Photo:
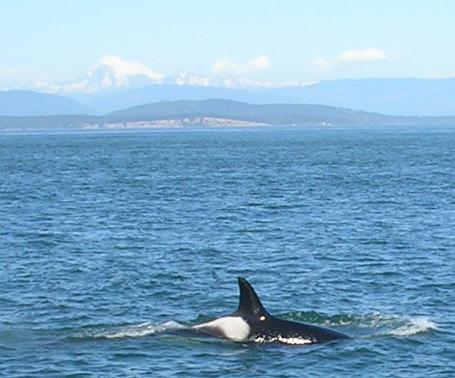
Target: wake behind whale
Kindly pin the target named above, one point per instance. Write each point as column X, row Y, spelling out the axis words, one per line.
column 251, row 323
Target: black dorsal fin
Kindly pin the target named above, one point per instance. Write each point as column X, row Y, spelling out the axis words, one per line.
column 249, row 301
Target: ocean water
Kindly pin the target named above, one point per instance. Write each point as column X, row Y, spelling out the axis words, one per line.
column 107, row 240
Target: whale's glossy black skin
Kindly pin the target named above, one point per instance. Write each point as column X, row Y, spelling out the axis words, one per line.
column 267, row 328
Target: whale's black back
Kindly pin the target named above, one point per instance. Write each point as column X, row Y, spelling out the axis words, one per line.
column 267, row 327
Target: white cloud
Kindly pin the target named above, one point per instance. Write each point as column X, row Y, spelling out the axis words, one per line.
column 227, row 67
column 122, row 69
column 44, row 85
column 18, row 78
column 440, row 75
column 372, row 54
column 366, row 55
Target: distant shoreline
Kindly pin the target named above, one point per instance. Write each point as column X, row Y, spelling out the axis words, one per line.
column 208, row 129
column 219, row 113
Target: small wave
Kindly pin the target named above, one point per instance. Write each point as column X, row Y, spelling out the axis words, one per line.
column 129, row 331
column 414, row 326
column 396, row 325
column 319, row 318
column 375, row 324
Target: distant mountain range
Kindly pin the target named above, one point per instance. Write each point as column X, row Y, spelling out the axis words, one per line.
column 413, row 97
column 217, row 112
column 406, row 97
column 28, row 103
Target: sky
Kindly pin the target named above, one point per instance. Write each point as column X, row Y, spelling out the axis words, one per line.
column 251, row 42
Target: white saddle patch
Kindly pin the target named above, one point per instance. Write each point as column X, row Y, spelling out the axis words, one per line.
column 232, row 327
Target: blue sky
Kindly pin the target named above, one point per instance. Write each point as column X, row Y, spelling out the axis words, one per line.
column 265, row 42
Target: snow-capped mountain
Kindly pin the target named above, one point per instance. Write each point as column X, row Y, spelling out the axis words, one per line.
column 109, row 73
column 185, row 78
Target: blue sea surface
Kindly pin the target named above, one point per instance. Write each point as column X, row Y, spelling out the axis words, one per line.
column 107, row 240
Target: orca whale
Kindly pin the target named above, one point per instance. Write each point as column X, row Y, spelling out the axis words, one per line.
column 252, row 323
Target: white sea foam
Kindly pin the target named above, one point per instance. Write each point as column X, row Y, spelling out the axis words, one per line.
column 395, row 325
column 414, row 326
column 380, row 324
column 133, row 330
